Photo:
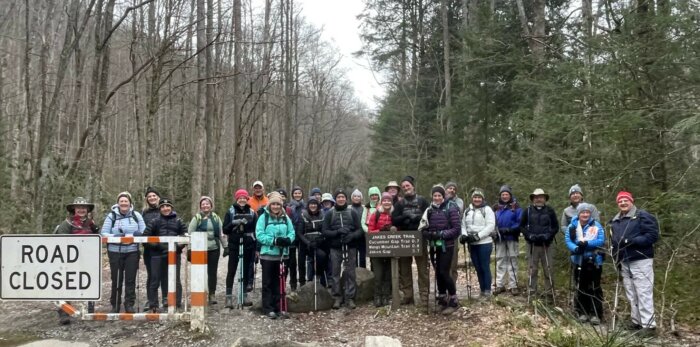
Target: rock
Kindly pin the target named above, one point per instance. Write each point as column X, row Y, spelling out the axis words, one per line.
column 246, row 342
column 303, row 299
column 55, row 343
column 365, row 285
column 381, row 341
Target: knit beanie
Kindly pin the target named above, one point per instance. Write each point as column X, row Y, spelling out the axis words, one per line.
column 241, row 193
column 450, row 184
column 165, row 201
column 624, row 194
column 584, row 206
column 438, row 189
column 315, row 190
column 312, row 201
column 127, row 195
column 211, row 202
column 274, row 197
column 505, row 188
column 387, row 196
column 575, row 189
column 297, row 188
column 409, row 179
column 355, row 193
column 477, row 192
column 338, row 192
column 282, row 192
column 150, row 190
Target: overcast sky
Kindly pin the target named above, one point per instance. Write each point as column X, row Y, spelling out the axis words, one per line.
column 340, row 25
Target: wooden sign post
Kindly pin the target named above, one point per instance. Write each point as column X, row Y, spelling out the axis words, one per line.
column 395, row 245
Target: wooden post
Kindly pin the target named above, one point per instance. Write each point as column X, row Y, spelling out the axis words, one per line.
column 395, row 297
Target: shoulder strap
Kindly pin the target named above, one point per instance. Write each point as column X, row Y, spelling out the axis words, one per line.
column 376, row 216
column 114, row 217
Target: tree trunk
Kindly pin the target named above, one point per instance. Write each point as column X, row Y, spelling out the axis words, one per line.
column 199, row 133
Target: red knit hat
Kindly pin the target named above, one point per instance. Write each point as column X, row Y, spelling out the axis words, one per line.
column 624, row 194
column 241, row 193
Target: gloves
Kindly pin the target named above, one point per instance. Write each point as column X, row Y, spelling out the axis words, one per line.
column 313, row 244
column 495, row 235
column 225, row 252
column 343, row 231
column 582, row 245
column 386, row 227
column 463, row 239
column 283, row 242
column 471, row 238
column 577, row 250
column 345, row 239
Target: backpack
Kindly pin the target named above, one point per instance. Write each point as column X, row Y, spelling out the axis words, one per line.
column 445, row 211
column 133, row 216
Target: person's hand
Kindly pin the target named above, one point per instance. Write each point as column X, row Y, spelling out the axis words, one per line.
column 582, row 244
column 463, row 239
column 577, row 250
column 386, row 227
column 225, row 252
column 283, row 242
column 313, row 244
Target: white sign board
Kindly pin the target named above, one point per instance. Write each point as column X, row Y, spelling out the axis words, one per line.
column 50, row 267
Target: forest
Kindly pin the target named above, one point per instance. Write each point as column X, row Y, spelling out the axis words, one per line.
column 200, row 97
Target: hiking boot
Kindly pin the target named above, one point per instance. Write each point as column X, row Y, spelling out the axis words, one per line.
column 452, row 306
column 336, row 304
column 631, row 326
column 485, row 296
column 248, row 288
column 583, row 318
column 294, row 287
column 229, row 301
column 595, row 320
column 377, row 301
column 351, row 304
column 515, row 291
column 272, row 315
column 407, row 301
column 63, row 318
column 129, row 309
column 212, row 299
column 115, row 309
column 247, row 301
column 499, row 290
column 283, row 315
column 154, row 309
column 386, row 301
column 441, row 300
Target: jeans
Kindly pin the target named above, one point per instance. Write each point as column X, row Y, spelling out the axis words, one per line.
column 481, row 258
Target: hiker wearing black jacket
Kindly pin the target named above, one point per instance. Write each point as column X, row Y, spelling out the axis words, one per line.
column 539, row 225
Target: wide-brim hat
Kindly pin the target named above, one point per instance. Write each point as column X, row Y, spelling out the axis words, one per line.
column 539, row 191
column 392, row 184
column 80, row 201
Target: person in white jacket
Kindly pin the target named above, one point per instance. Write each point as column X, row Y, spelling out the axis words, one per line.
column 477, row 224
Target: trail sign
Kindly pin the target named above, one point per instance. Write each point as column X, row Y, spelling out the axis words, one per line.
column 402, row 243
column 50, row 267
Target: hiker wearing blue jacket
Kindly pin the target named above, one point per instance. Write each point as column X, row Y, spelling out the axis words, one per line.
column 121, row 221
column 275, row 233
column 585, row 238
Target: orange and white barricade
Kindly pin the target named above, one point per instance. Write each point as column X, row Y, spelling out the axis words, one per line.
column 198, row 283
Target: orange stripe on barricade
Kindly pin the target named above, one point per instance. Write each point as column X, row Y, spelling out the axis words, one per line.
column 171, row 258
column 99, row 316
column 153, row 239
column 152, row 317
column 126, row 316
column 199, row 257
column 198, row 299
column 127, row 240
column 68, row 308
column 171, row 298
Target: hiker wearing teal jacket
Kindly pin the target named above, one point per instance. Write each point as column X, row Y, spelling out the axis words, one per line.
column 275, row 233
column 206, row 220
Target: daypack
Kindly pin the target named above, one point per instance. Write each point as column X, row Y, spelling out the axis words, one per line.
column 133, row 216
column 445, row 211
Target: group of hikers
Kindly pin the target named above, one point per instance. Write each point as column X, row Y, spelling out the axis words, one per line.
column 323, row 236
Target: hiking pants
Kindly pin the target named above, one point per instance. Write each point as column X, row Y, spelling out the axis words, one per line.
column 638, row 279
column 123, row 268
column 481, row 258
column 506, row 263
column 348, row 265
column 270, row 285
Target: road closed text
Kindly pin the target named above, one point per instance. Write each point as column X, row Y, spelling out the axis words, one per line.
column 51, row 267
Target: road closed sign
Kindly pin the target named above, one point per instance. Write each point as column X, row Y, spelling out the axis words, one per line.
column 50, row 267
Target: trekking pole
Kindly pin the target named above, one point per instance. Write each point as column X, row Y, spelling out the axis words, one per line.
column 529, row 281
column 431, row 257
column 315, row 279
column 617, row 281
column 549, row 272
column 283, row 287
column 466, row 271
column 241, row 281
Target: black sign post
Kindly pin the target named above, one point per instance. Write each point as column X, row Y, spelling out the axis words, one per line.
column 396, row 244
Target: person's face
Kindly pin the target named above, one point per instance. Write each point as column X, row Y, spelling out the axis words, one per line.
column 505, row 197
column 407, row 188
column 477, row 200
column 386, row 204
column 317, row 196
column 205, row 206
column 539, row 200
column 165, row 210
column 313, row 207
column 258, row 190
column 438, row 198
column 152, row 199
column 625, row 205
column 374, row 197
column 356, row 199
column 584, row 216
column 576, row 197
column 297, row 194
column 81, row 211
column 340, row 200
column 393, row 191
column 275, row 207
column 451, row 191
column 327, row 204
column 242, row 201
column 124, row 203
